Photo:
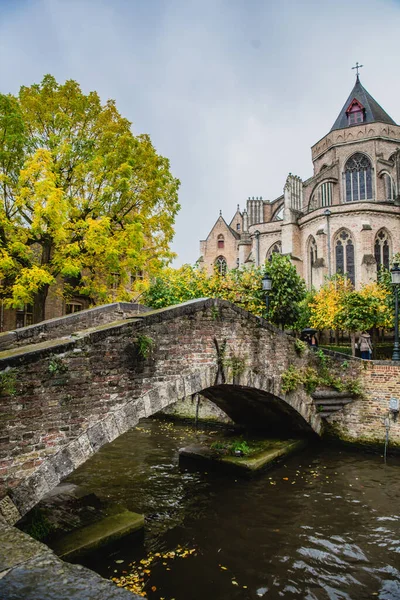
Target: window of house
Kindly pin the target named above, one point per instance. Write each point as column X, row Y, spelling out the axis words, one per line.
column 237, row 263
column 358, row 178
column 221, row 265
column 382, row 250
column 73, row 307
column 138, row 275
column 24, row 316
column 344, row 256
column 115, row 281
column 237, row 226
column 220, row 241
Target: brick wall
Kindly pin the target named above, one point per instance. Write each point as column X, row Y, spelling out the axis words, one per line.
column 362, row 421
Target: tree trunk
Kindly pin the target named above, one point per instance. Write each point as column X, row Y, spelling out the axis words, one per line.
column 39, row 304
column 353, row 343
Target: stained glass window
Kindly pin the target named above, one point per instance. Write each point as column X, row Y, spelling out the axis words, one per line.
column 220, row 265
column 344, row 256
column 274, row 249
column 358, row 178
column 382, row 250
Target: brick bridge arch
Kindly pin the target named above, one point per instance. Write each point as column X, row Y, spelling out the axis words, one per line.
column 74, row 395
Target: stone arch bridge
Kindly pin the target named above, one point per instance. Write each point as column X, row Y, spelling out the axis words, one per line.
column 63, row 399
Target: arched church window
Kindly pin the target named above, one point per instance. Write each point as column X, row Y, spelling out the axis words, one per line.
column 389, row 186
column 358, row 178
column 278, row 216
column 382, row 250
column 322, row 196
column 220, row 265
column 344, row 255
column 220, row 241
column 276, row 248
column 312, row 258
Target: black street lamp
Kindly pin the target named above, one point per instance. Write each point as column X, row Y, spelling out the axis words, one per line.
column 266, row 286
column 395, row 273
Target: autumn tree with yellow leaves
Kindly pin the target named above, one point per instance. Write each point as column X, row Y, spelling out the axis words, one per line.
column 338, row 306
column 82, row 200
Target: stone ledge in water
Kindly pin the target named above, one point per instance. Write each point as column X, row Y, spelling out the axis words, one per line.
column 46, row 577
column 96, row 535
column 253, row 463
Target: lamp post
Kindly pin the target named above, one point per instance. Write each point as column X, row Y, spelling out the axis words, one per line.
column 395, row 273
column 266, row 286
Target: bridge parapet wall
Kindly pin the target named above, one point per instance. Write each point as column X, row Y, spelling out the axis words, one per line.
column 69, row 324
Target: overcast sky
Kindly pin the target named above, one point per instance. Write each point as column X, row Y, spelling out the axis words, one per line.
column 233, row 92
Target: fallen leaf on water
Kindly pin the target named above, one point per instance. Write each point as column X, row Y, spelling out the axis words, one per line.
column 223, row 568
column 234, row 582
column 153, row 588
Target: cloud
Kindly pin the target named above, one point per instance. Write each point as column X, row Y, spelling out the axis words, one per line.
column 234, row 92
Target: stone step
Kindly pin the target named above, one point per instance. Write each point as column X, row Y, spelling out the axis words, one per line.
column 323, row 414
column 319, row 394
column 327, row 401
column 331, row 408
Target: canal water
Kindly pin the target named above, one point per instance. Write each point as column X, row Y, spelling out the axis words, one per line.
column 324, row 525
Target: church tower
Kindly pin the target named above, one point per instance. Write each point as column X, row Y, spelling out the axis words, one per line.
column 343, row 219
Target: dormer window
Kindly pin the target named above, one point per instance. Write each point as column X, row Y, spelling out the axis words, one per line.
column 355, row 112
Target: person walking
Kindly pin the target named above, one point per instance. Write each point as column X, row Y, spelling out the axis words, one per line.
column 365, row 345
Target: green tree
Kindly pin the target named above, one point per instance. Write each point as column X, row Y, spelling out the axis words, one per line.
column 287, row 292
column 82, row 200
column 241, row 286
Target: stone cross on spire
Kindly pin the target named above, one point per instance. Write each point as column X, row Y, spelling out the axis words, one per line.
column 357, row 67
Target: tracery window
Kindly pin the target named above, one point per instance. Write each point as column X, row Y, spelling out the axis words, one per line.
column 221, row 265
column 382, row 250
column 344, row 255
column 389, row 187
column 312, row 258
column 358, row 178
column 322, row 196
column 276, row 248
column 220, row 241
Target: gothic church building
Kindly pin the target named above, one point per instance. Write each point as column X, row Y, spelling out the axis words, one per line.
column 343, row 219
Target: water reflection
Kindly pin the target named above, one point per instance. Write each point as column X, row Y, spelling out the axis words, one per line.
column 323, row 526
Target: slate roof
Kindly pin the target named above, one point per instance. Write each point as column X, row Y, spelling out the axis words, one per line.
column 373, row 111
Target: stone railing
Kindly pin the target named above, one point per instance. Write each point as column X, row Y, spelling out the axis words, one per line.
column 63, row 326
